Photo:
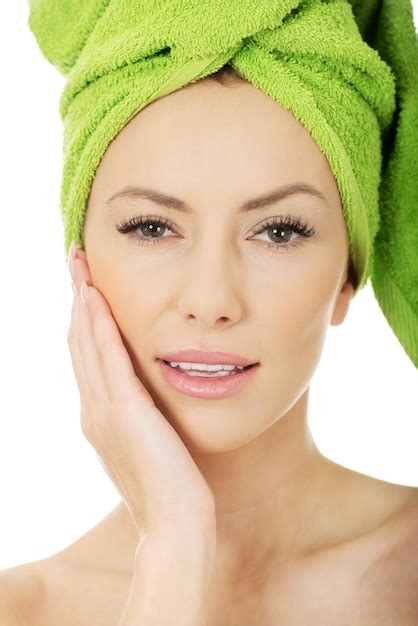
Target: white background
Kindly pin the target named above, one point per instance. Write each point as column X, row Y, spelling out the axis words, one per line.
column 363, row 405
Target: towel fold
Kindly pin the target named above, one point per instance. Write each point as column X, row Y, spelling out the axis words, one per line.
column 347, row 70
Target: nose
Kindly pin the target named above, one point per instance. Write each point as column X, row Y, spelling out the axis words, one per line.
column 211, row 292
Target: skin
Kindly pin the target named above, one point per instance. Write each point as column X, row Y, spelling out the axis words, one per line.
column 280, row 505
column 213, row 284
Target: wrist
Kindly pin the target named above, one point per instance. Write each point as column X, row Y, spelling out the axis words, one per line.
column 190, row 541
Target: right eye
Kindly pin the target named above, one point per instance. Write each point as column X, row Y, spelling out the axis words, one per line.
column 154, row 227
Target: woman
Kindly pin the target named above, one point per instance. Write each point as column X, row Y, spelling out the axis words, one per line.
column 228, row 512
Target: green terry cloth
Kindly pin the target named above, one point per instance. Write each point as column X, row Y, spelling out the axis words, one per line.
column 347, row 70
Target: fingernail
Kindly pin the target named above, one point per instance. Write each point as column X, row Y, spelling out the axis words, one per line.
column 70, row 259
column 84, row 290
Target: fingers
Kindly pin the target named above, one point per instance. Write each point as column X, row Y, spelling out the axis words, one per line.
column 123, row 386
column 91, row 362
column 105, row 347
column 76, row 356
column 103, row 368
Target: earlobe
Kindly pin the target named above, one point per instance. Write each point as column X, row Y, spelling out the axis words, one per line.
column 342, row 304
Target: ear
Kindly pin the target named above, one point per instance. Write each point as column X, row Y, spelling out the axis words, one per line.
column 342, row 304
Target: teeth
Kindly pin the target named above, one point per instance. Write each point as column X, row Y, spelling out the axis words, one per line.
column 220, row 374
column 205, row 366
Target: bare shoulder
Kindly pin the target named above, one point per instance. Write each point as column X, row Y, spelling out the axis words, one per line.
column 55, row 591
column 401, row 557
column 397, row 538
column 394, row 575
column 20, row 590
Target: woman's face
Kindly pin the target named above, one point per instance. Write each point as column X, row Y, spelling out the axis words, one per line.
column 207, row 279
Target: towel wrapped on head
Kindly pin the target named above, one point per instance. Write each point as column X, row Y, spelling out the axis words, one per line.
column 347, row 70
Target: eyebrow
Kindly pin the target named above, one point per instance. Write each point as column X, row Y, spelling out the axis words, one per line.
column 171, row 202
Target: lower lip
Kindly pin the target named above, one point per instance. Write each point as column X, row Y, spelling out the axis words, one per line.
column 206, row 387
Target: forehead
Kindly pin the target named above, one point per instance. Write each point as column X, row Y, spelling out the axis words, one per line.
column 233, row 137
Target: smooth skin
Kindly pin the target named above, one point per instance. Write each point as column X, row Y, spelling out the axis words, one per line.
column 159, row 482
column 140, row 450
column 289, row 522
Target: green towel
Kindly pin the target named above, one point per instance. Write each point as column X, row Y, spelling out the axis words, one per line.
column 348, row 71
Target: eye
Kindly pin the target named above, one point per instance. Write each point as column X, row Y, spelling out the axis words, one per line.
column 281, row 230
column 148, row 226
column 150, row 229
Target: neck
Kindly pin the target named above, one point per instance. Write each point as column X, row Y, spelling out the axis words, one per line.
column 277, row 499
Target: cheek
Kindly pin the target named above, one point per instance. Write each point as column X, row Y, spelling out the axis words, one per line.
column 286, row 306
column 127, row 291
column 294, row 326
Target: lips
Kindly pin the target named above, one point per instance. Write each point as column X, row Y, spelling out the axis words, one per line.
column 194, row 355
column 207, row 387
column 208, row 372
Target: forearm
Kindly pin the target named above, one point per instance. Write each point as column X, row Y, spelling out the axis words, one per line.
column 171, row 579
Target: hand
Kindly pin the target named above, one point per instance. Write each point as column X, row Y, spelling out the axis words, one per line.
column 138, row 448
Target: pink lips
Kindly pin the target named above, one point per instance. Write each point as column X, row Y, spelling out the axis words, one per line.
column 206, row 387
column 211, row 358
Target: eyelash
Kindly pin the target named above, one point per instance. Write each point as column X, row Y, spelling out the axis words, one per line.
column 287, row 222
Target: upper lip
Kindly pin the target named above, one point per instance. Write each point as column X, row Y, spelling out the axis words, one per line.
column 194, row 355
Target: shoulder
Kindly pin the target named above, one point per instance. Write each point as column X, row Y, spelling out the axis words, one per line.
column 394, row 575
column 20, row 590
column 401, row 557
column 402, row 532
